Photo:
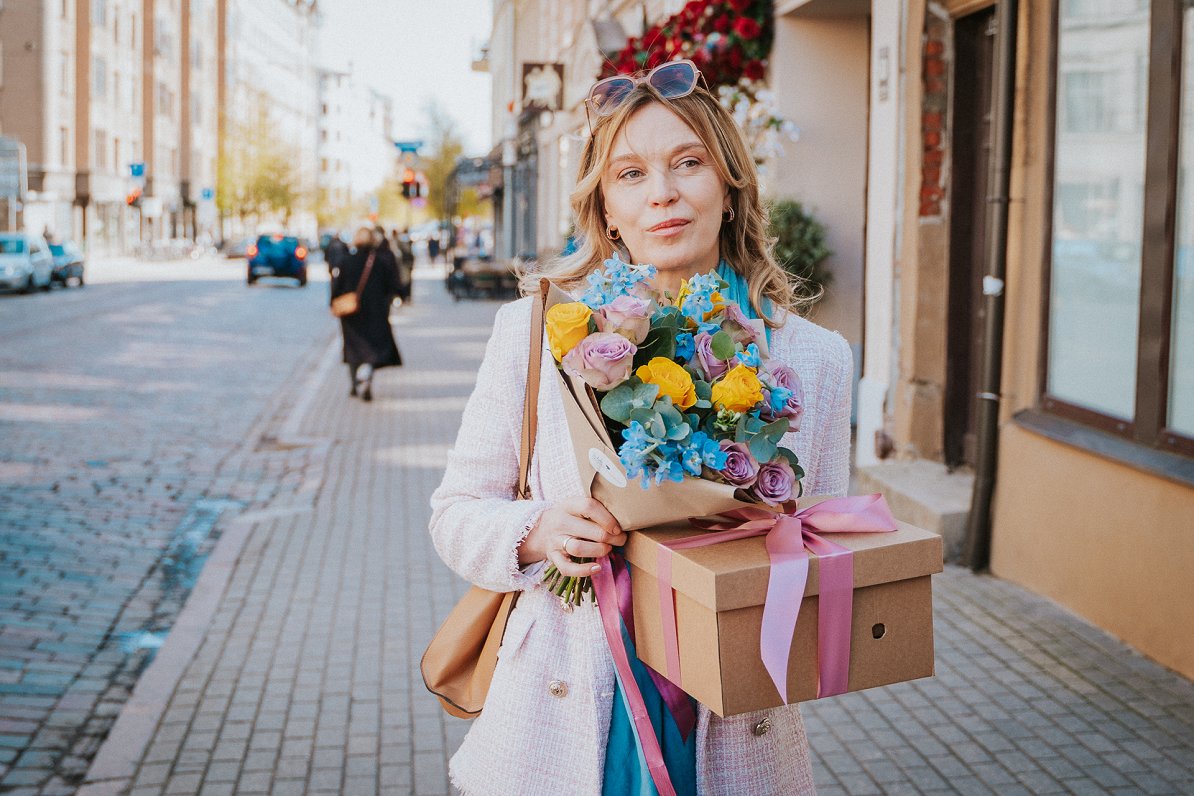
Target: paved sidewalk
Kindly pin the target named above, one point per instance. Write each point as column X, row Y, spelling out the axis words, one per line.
column 294, row 667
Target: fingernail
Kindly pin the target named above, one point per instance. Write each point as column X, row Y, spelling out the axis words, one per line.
column 595, row 568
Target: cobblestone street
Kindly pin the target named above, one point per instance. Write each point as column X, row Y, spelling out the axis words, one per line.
column 294, row 666
column 137, row 415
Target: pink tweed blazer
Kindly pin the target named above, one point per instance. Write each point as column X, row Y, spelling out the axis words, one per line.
column 544, row 726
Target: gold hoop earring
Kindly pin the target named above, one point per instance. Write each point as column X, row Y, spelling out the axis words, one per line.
column 612, row 233
column 725, row 219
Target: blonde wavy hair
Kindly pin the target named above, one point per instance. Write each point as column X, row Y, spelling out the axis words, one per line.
column 744, row 242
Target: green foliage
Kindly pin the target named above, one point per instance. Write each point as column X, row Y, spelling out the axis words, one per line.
column 443, row 141
column 800, row 246
column 722, row 346
column 257, row 174
column 630, row 396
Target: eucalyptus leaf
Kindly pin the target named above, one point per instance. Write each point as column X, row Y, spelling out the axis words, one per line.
column 618, row 403
column 775, row 430
column 722, row 346
column 704, row 390
column 762, row 448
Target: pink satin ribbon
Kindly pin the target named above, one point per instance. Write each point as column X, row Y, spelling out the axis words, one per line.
column 607, row 603
column 790, row 538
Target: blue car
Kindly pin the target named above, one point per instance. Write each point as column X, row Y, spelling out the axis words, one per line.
column 278, row 255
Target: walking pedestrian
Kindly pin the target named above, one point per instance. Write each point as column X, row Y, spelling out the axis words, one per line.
column 335, row 250
column 433, row 247
column 665, row 178
column 368, row 339
column 406, row 264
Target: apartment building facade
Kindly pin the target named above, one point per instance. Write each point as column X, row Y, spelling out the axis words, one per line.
column 355, row 145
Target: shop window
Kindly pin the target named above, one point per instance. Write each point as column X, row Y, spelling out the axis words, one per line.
column 1119, row 336
column 1180, row 409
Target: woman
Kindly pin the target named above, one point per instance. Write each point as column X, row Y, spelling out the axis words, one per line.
column 368, row 340
column 666, row 179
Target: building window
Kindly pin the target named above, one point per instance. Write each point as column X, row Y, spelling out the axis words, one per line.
column 101, row 150
column 64, row 65
column 1180, row 410
column 116, row 155
column 99, row 13
column 99, row 77
column 1114, row 357
column 64, row 146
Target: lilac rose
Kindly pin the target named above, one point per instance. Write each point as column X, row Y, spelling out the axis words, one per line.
column 711, row 367
column 738, row 326
column 776, row 482
column 741, row 469
column 786, row 401
column 603, row 359
column 626, row 315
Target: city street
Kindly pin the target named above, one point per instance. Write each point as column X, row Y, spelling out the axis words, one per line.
column 136, row 412
column 293, row 666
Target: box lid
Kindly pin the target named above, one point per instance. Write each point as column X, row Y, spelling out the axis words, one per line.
column 731, row 575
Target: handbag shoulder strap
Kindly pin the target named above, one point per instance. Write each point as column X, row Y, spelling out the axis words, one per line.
column 530, row 414
column 365, row 273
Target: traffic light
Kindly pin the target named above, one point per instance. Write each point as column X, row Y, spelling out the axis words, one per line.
column 410, row 188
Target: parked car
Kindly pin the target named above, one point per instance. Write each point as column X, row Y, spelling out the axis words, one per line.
column 278, row 255
column 25, row 262
column 237, row 248
column 68, row 262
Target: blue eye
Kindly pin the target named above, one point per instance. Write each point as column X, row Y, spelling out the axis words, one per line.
column 629, row 174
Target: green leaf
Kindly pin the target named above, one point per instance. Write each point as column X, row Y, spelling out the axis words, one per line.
column 644, row 395
column 722, row 346
column 775, row 430
column 618, row 403
column 762, row 448
column 704, row 390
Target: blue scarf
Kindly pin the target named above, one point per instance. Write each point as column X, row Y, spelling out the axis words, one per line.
column 739, row 293
column 626, row 771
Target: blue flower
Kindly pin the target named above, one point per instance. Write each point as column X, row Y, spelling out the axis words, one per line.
column 750, row 357
column 617, row 278
column 779, row 398
column 685, row 346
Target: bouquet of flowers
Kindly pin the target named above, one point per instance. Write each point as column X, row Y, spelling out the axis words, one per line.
column 681, row 389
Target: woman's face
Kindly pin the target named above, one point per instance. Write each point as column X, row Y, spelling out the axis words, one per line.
column 663, row 194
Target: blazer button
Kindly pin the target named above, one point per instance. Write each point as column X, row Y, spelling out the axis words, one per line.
column 558, row 688
column 762, row 727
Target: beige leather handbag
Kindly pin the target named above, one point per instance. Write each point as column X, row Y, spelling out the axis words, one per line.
column 350, row 303
column 460, row 660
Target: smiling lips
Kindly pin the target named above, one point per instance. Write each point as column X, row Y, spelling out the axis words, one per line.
column 672, row 226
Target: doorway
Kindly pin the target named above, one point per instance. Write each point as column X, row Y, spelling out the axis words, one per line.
column 974, row 56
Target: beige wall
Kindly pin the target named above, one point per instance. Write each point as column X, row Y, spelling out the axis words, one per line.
column 819, row 69
column 1106, row 540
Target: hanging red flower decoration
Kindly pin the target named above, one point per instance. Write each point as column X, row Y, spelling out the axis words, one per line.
column 727, row 39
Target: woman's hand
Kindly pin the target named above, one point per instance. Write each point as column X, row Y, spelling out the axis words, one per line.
column 573, row 528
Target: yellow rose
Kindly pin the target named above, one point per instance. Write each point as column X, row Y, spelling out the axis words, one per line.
column 567, row 325
column 673, row 381
column 739, row 390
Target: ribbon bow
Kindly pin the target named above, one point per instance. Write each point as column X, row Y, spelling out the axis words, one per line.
column 790, row 538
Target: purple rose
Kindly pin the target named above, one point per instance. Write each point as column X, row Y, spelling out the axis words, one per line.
column 793, row 405
column 603, row 360
column 626, row 315
column 741, row 469
column 775, row 483
column 738, row 326
column 711, row 367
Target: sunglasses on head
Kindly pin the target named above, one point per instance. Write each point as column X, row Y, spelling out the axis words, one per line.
column 672, row 80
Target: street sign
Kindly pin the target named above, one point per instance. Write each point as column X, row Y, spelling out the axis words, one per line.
column 136, row 169
column 408, row 146
column 419, row 202
column 207, row 194
column 13, row 173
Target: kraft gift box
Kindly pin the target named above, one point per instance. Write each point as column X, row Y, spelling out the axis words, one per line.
column 719, row 596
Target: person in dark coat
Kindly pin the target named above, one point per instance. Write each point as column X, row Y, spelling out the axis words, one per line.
column 368, row 339
column 335, row 251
